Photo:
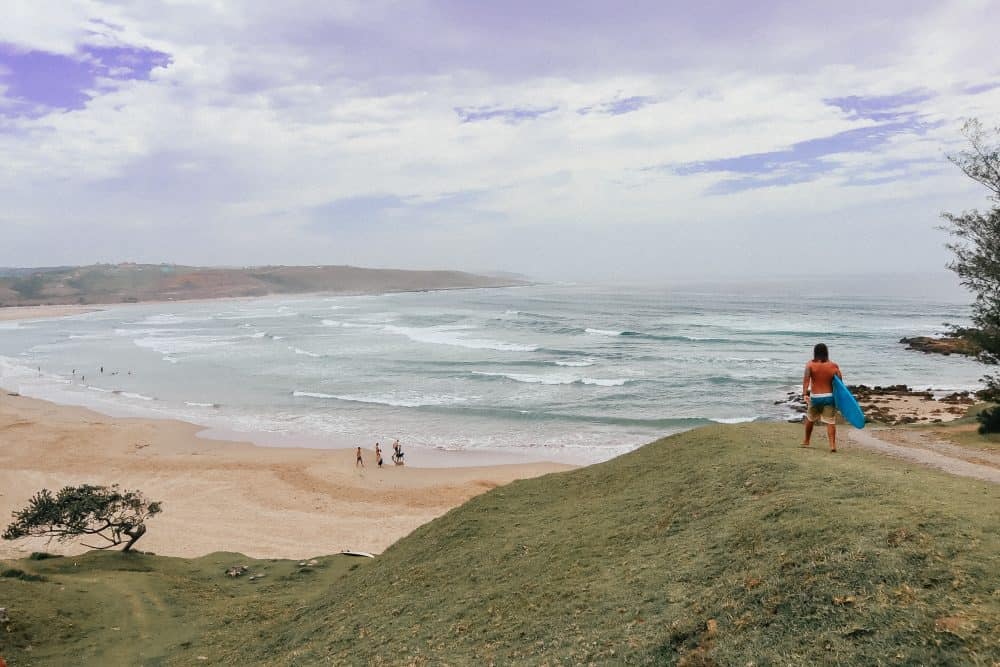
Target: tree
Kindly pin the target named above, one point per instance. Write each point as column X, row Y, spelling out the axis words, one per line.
column 107, row 512
column 977, row 244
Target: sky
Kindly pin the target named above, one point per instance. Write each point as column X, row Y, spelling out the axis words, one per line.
column 564, row 140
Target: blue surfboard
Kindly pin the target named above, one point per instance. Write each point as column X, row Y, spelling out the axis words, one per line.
column 845, row 402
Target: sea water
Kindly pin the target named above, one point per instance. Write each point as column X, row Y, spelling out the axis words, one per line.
column 575, row 373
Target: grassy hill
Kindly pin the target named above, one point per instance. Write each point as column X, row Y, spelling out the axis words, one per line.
column 724, row 545
column 116, row 283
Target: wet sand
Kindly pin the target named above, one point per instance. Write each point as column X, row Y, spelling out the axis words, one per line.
column 266, row 502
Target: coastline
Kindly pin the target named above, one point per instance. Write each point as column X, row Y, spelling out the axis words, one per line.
column 15, row 313
column 219, row 495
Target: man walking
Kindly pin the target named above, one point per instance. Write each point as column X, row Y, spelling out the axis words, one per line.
column 817, row 390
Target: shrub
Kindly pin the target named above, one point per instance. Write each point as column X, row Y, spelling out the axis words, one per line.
column 989, row 421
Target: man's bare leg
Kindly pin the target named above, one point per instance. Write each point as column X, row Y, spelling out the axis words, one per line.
column 809, row 432
column 831, row 434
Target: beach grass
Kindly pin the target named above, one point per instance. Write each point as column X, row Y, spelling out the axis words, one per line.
column 964, row 432
column 723, row 545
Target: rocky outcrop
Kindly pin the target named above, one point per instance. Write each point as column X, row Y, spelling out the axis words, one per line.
column 945, row 345
column 897, row 404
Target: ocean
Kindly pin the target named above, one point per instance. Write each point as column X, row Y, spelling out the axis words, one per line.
column 567, row 372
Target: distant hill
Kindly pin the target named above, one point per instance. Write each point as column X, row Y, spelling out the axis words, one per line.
column 117, row 283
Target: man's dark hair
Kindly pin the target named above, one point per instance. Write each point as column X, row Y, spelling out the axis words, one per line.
column 820, row 353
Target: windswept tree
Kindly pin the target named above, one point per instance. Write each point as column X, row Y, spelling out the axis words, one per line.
column 109, row 513
column 976, row 244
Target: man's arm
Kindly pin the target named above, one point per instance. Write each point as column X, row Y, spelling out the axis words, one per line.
column 839, row 374
column 806, row 377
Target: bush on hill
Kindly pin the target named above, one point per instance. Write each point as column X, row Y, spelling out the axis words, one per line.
column 989, row 421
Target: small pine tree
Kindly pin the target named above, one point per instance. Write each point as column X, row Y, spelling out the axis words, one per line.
column 114, row 515
column 977, row 245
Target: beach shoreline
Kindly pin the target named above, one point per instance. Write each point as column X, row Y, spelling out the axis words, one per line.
column 218, row 495
column 16, row 313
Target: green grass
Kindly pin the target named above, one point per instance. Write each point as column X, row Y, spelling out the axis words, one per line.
column 724, row 545
column 964, row 432
column 112, row 608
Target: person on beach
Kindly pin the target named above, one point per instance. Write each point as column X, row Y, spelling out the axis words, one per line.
column 817, row 391
column 378, row 455
column 397, row 453
column 359, row 461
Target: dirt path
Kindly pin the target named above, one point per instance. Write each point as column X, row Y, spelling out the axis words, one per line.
column 922, row 448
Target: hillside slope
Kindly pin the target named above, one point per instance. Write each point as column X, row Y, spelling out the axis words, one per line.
column 106, row 283
column 724, row 545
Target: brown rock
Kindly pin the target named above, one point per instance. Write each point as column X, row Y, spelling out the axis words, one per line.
column 945, row 345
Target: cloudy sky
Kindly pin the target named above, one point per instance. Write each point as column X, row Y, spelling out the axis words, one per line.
column 566, row 140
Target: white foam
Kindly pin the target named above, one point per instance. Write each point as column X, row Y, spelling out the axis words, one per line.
column 259, row 334
column 304, row 352
column 103, row 391
column 734, row 420
column 617, row 382
column 195, row 404
column 603, row 332
column 393, row 400
column 141, row 397
column 258, row 315
column 574, row 364
column 311, row 394
column 170, row 345
column 331, row 323
column 170, row 318
column 447, row 335
column 555, row 379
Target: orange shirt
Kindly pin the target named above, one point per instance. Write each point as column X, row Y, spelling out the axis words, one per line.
column 821, row 374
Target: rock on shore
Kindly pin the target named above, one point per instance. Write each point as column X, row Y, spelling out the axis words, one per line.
column 945, row 345
column 898, row 404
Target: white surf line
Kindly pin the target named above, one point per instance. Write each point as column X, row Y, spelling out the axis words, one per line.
column 948, row 464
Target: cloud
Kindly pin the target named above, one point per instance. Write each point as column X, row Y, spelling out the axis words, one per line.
column 510, row 115
column 805, row 160
column 542, row 137
column 38, row 82
column 619, row 106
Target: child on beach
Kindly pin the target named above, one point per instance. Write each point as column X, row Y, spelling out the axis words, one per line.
column 378, row 455
column 817, row 390
column 360, row 461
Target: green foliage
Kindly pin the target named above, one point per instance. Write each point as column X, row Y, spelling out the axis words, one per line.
column 106, row 512
column 31, row 287
column 989, row 421
column 42, row 555
column 977, row 243
column 14, row 573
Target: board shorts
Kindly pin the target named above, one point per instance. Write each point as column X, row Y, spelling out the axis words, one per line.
column 821, row 408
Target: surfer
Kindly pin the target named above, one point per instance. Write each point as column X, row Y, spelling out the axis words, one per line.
column 359, row 461
column 817, row 390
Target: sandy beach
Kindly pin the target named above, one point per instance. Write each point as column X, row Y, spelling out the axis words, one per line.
column 41, row 312
column 226, row 496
